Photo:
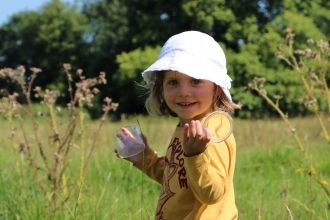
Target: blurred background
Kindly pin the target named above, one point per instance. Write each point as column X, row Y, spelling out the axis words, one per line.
column 123, row 37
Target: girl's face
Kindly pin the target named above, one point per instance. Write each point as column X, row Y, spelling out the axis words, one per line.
column 189, row 98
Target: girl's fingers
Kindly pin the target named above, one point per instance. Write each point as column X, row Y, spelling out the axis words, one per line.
column 116, row 152
column 192, row 129
column 207, row 134
column 186, row 131
column 199, row 130
column 195, row 130
column 126, row 132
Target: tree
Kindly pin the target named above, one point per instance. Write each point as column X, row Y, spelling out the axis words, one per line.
column 45, row 39
column 117, row 37
column 257, row 58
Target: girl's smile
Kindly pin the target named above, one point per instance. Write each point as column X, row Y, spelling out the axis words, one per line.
column 189, row 98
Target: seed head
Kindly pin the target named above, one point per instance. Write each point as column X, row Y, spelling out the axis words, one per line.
column 278, row 97
column 279, row 55
column 79, row 72
column 299, row 52
column 22, row 147
column 67, row 66
column 288, row 30
column 35, row 70
column 95, row 90
column 310, row 41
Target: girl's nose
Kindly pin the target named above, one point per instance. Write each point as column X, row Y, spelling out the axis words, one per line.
column 184, row 91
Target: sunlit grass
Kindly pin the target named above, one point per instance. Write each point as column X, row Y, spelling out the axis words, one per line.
column 265, row 176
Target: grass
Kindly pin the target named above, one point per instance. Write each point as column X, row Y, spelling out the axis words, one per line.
column 266, row 175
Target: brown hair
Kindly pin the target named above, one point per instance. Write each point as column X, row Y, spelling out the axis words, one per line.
column 156, row 105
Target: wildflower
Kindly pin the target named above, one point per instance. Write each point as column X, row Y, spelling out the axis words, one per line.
column 299, row 170
column 312, row 171
column 324, row 182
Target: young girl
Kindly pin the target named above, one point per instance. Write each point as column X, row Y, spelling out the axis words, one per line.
column 189, row 80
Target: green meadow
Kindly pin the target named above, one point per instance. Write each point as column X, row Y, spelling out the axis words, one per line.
column 272, row 180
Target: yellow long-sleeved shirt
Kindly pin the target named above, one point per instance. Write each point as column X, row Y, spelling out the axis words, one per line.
column 198, row 187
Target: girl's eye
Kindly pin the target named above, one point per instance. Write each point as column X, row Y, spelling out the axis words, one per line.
column 196, row 81
column 172, row 82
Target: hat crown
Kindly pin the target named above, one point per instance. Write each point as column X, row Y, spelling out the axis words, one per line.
column 196, row 44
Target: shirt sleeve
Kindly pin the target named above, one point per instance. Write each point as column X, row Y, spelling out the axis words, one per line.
column 208, row 172
column 152, row 165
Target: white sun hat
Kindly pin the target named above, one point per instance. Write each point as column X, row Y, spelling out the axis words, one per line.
column 195, row 54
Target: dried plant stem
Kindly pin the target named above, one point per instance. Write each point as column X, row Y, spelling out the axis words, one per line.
column 54, row 160
column 311, row 211
column 295, row 135
column 95, row 139
column 309, row 91
column 323, row 63
column 283, row 116
column 82, row 147
column 17, row 152
column 35, row 125
column 289, row 212
column 31, row 159
column 82, row 141
column 66, row 70
column 77, row 200
column 39, row 144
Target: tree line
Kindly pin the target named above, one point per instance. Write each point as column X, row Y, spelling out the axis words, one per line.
column 123, row 37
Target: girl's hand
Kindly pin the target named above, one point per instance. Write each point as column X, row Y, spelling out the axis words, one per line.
column 136, row 158
column 194, row 139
